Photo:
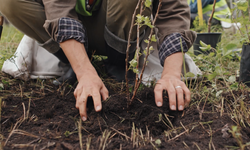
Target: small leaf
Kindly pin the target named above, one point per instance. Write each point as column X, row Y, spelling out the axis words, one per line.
column 242, row 5
column 211, row 76
column 203, row 44
column 133, row 63
column 158, row 142
column 190, row 74
column 148, row 3
column 146, row 41
column 231, row 46
column 151, row 48
column 218, row 93
column 153, row 39
column 232, row 79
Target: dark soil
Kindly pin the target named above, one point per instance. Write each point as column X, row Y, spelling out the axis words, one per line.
column 52, row 121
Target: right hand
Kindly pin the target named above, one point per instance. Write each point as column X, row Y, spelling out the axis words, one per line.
column 89, row 84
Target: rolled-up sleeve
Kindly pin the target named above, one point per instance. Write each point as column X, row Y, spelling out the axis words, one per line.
column 174, row 17
column 62, row 21
column 173, row 23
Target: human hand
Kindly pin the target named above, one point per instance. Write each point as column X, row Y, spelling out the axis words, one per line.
column 89, row 84
column 178, row 92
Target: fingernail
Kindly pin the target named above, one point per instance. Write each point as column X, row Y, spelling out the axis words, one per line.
column 180, row 107
column 98, row 108
column 159, row 104
column 84, row 118
column 173, row 107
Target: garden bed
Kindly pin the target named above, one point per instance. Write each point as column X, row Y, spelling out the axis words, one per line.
column 38, row 115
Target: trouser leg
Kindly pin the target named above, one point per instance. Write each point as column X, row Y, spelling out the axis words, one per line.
column 118, row 22
column 108, row 31
column 28, row 16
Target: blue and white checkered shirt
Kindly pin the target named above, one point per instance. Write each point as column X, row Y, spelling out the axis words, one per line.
column 171, row 45
column 72, row 29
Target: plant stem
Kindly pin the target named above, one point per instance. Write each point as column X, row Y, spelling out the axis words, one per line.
column 137, row 49
column 249, row 9
column 211, row 17
column 238, row 27
column 246, row 26
column 127, row 51
column 148, row 52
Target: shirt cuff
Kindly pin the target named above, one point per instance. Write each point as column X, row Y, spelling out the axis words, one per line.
column 70, row 29
column 171, row 45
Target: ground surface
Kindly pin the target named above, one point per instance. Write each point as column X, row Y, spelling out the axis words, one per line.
column 38, row 115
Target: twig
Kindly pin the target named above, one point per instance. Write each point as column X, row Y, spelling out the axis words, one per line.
column 211, row 17
column 80, row 133
column 24, row 112
column 127, row 137
column 88, row 143
column 178, row 135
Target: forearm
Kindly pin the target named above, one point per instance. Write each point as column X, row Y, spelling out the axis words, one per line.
column 78, row 58
column 173, row 65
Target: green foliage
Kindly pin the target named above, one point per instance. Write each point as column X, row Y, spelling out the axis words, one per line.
column 242, row 5
column 148, row 3
column 158, row 143
column 238, row 137
column 241, row 9
column 9, row 41
column 142, row 21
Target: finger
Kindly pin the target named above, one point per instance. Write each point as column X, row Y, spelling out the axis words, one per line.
column 172, row 97
column 180, row 100
column 158, row 94
column 97, row 100
column 105, row 93
column 82, row 104
column 187, row 95
column 76, row 94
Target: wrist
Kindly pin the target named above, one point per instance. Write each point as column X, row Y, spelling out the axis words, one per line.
column 173, row 66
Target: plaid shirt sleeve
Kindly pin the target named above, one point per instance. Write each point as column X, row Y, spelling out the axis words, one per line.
column 171, row 45
column 71, row 29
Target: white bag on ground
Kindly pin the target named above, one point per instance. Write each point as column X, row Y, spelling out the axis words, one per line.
column 31, row 61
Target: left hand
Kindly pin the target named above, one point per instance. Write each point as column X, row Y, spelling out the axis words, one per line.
column 178, row 92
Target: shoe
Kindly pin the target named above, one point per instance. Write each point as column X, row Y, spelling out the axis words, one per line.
column 69, row 77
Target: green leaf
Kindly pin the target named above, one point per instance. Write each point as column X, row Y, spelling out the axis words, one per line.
column 232, row 79
column 146, row 41
column 136, row 71
column 210, row 77
column 208, row 47
column 153, row 39
column 133, row 63
column 190, row 74
column 158, row 142
column 148, row 3
column 231, row 46
column 218, row 93
column 203, row 44
column 242, row 5
column 140, row 18
column 151, row 48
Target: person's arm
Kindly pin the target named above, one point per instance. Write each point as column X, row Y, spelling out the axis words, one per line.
column 90, row 84
column 63, row 26
column 173, row 23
